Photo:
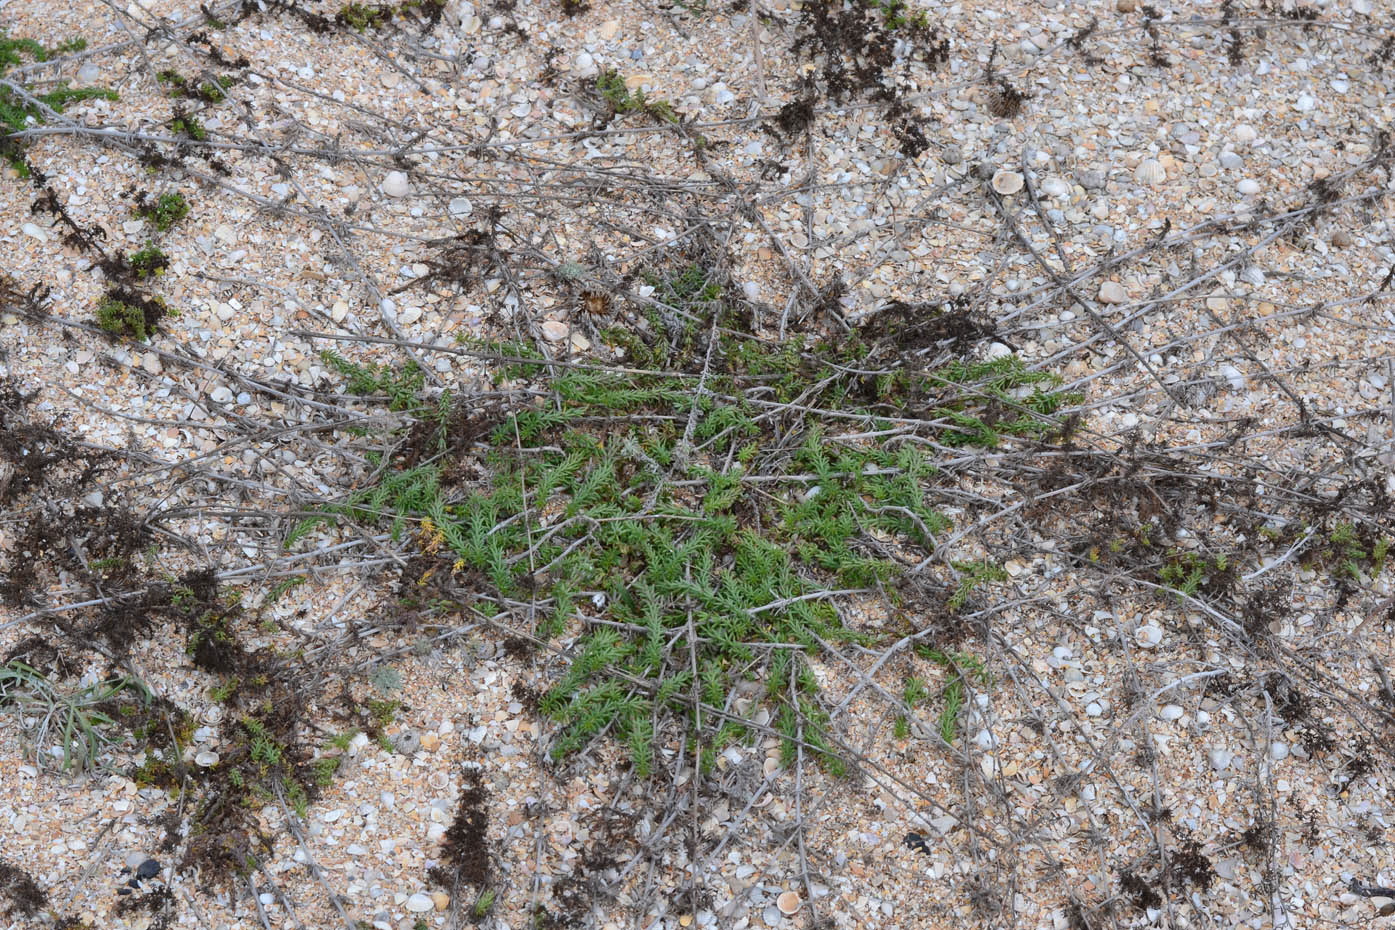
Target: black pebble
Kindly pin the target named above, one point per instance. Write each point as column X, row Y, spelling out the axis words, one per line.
column 916, row 841
column 123, row 891
column 134, row 883
column 148, row 869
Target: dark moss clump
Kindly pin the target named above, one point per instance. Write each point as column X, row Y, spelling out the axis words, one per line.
column 124, row 313
column 26, row 898
column 466, row 850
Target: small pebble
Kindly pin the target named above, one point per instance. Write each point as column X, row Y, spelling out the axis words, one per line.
column 1171, row 712
column 1112, row 292
column 1220, row 759
column 1248, row 186
column 440, row 900
column 1091, row 179
column 554, row 330
column 420, row 903
column 1341, row 239
column 396, row 185
column 148, row 869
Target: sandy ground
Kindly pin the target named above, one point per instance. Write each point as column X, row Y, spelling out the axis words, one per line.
column 1221, row 231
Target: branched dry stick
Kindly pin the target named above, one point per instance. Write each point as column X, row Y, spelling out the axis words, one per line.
column 293, row 823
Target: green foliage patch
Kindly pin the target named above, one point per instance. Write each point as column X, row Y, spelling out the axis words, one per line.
column 130, row 316
column 21, row 107
column 687, row 528
column 622, row 100
column 77, row 721
column 164, row 211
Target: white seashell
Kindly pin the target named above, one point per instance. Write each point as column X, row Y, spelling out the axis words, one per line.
column 207, row 759
column 461, row 206
column 1248, row 186
column 1170, row 712
column 1245, row 134
column 998, row 350
column 1007, row 182
column 1149, row 635
column 1055, row 187
column 1234, row 376
column 1150, row 172
column 584, row 65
